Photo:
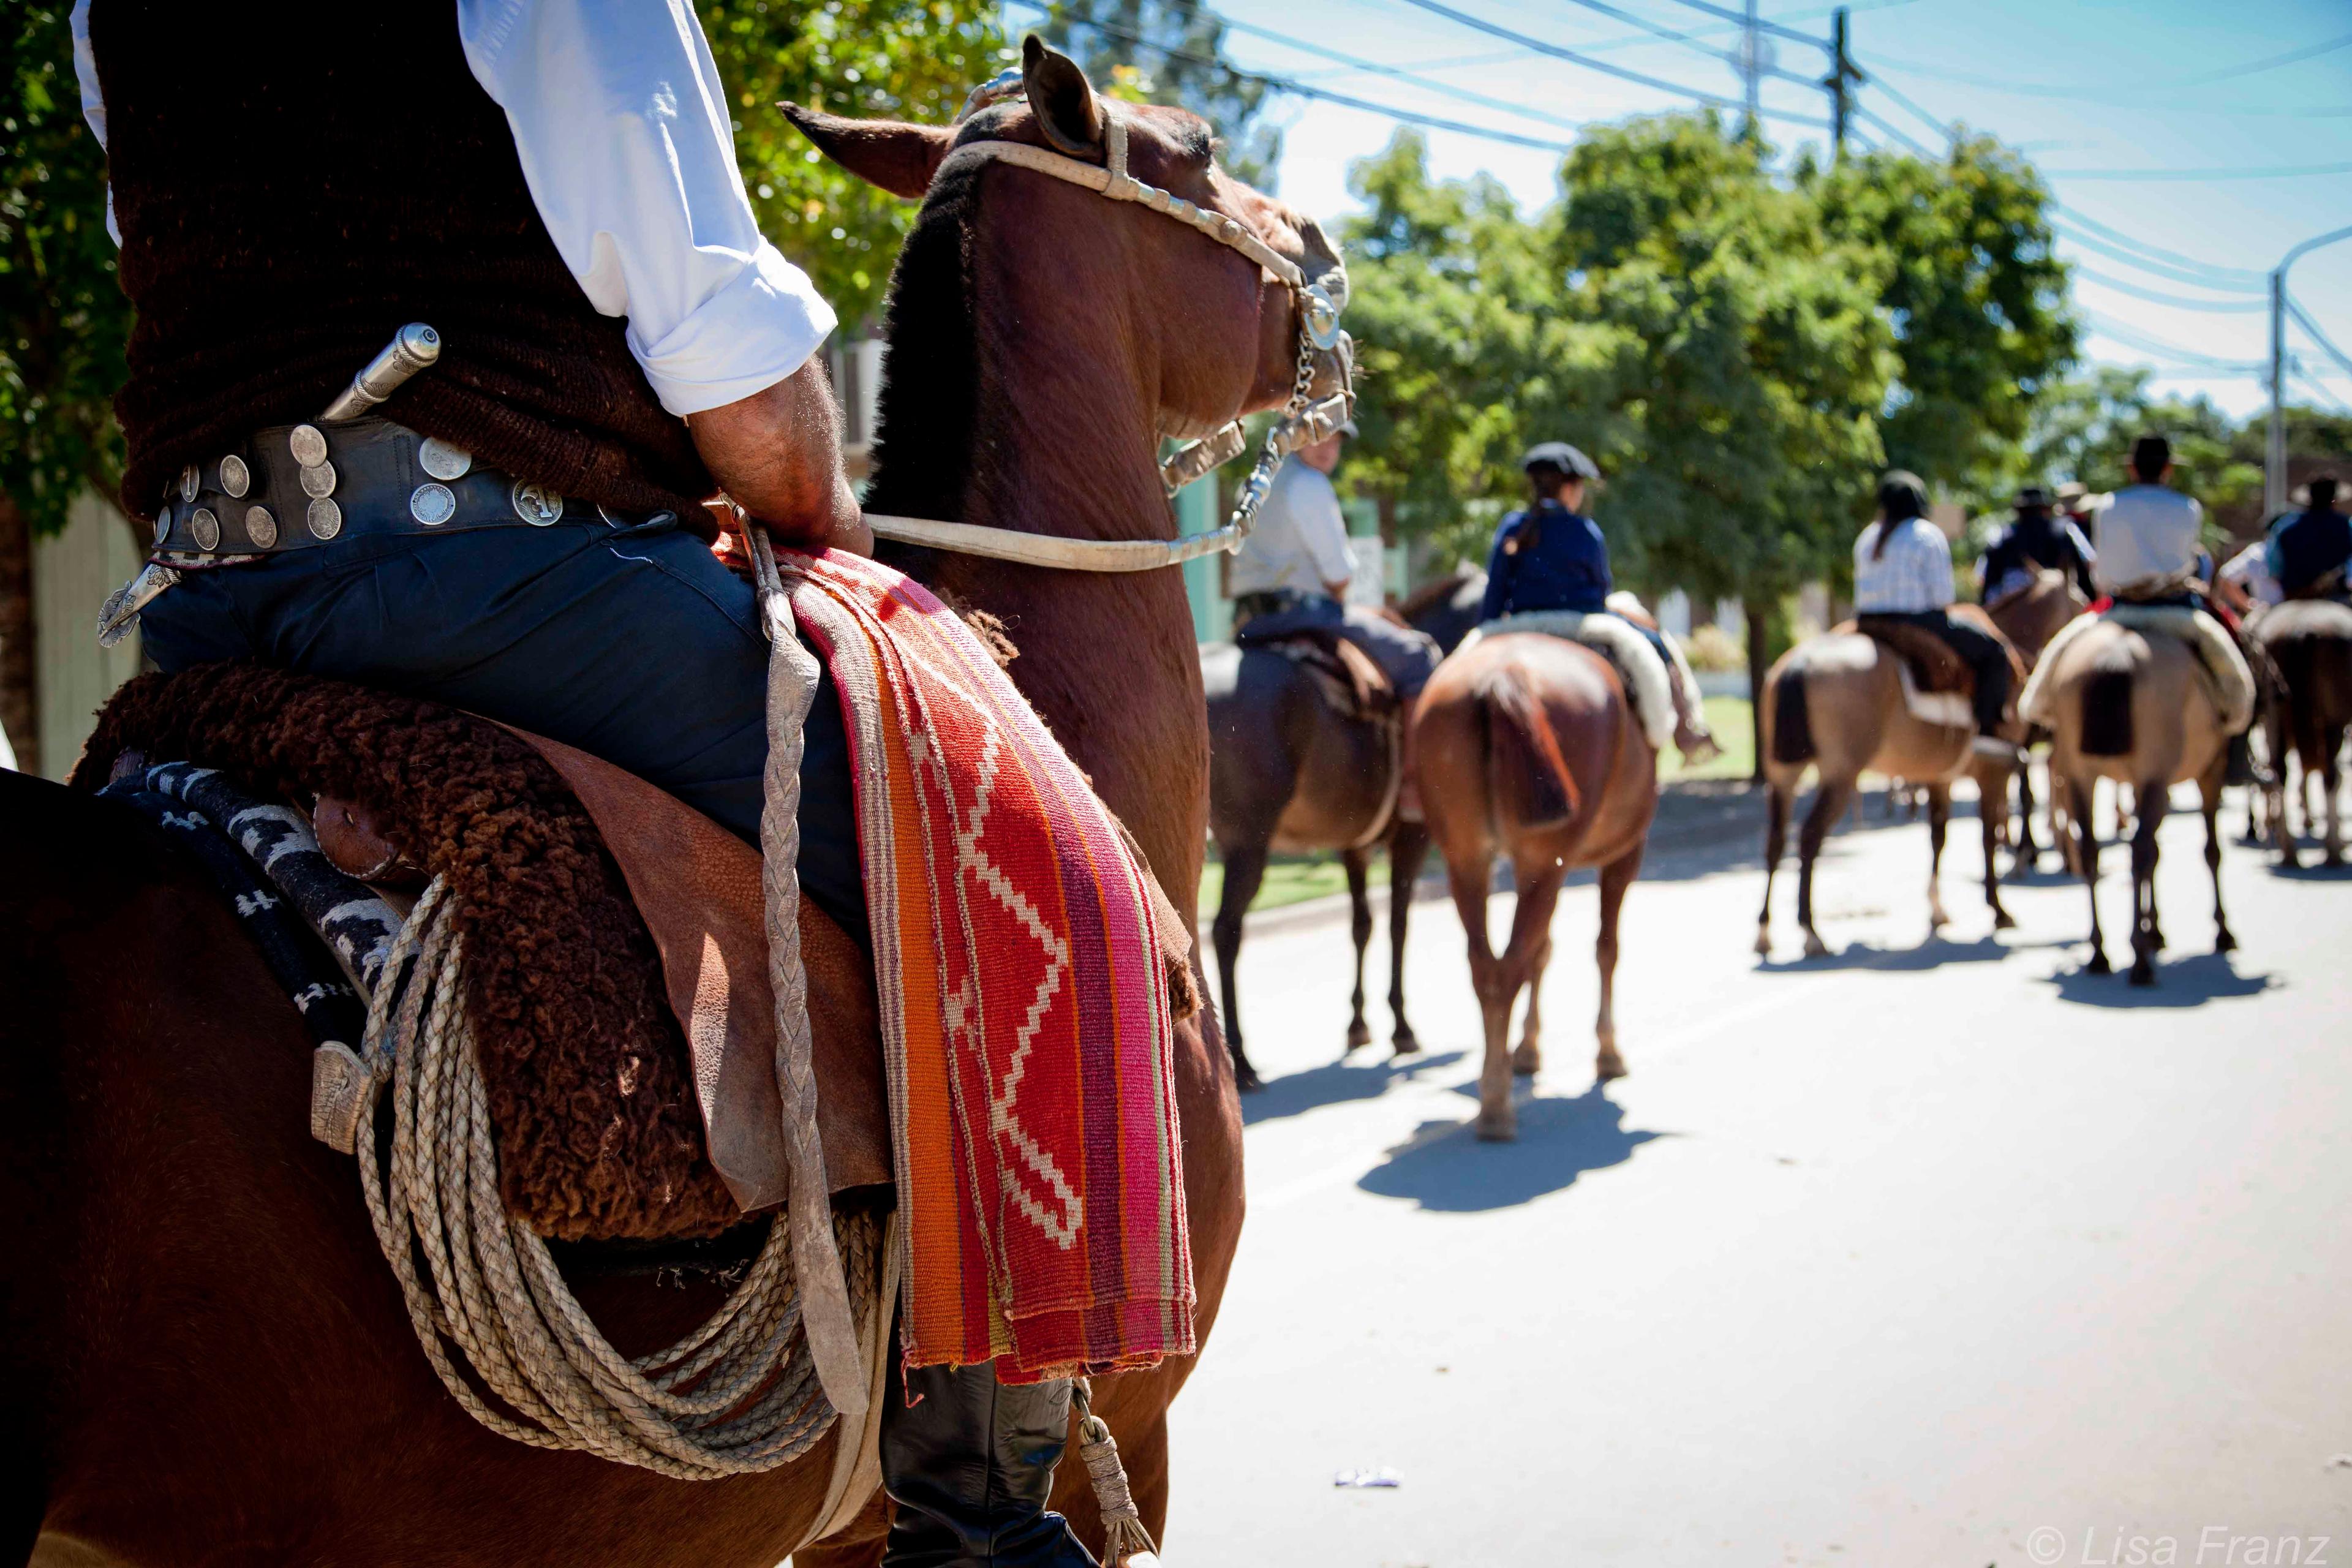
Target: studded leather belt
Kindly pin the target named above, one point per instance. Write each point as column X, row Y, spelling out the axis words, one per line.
column 293, row 486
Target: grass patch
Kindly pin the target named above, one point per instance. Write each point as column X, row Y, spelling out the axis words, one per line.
column 1289, row 879
column 1735, row 732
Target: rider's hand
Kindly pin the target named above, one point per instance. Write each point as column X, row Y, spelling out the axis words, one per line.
column 777, row 454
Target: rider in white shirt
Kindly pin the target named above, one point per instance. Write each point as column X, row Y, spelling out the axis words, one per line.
column 2150, row 535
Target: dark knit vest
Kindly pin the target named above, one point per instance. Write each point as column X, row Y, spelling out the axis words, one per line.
column 295, row 180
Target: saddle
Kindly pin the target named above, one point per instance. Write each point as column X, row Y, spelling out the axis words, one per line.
column 1938, row 687
column 616, row 968
column 1344, row 675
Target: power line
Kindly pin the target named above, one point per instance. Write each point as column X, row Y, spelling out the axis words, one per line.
column 2312, row 328
column 2270, row 63
column 2279, row 171
column 1942, row 127
column 2142, row 96
column 1899, row 134
column 1399, row 74
column 1774, row 29
column 2238, row 276
column 2180, row 301
column 2312, row 386
column 1495, row 29
column 2145, row 342
column 1654, row 29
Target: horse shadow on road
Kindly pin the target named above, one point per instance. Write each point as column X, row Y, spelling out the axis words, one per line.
column 1932, row 953
column 1444, row 1167
column 1354, row 1077
column 2179, row 982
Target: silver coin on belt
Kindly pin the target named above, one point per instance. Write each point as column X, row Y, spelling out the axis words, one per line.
column 205, row 527
column 261, row 527
column 432, row 504
column 190, row 483
column 443, row 460
column 324, row 518
column 317, row 479
column 535, row 504
column 308, row 444
column 236, row 477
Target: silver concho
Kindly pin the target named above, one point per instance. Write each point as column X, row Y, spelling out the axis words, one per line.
column 163, row 525
column 261, row 527
column 431, row 505
column 1322, row 316
column 310, row 445
column 610, row 516
column 535, row 504
column 317, row 479
column 205, row 527
column 236, row 477
column 190, row 483
column 443, row 460
column 324, row 518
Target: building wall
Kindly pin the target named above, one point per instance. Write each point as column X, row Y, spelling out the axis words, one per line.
column 73, row 572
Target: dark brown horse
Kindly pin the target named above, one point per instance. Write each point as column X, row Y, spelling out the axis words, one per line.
column 2029, row 616
column 1529, row 749
column 207, row 1356
column 1287, row 773
column 2309, row 642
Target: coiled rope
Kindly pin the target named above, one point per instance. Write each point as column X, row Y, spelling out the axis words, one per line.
column 740, row 1394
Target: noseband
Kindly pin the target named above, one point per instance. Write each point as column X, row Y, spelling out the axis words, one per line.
column 1303, row 421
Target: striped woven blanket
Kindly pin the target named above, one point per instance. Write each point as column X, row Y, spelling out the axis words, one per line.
column 1026, row 1020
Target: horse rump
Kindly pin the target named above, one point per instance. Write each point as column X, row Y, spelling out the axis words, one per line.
column 1527, row 774
column 1792, row 725
column 2108, row 713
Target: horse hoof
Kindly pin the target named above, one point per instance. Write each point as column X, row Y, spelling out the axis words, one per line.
column 1763, row 941
column 2143, row 972
column 1359, row 1035
column 2098, row 965
column 2003, row 920
column 1245, row 1079
column 1609, row 1066
column 1815, row 946
column 1404, row 1043
column 2224, row 943
column 1528, row 1061
column 1497, row 1129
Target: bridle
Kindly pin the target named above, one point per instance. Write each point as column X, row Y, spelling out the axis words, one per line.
column 1303, row 421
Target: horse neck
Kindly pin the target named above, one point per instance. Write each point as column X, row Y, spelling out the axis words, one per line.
column 1060, row 440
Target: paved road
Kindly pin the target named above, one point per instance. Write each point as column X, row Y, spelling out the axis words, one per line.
column 1894, row 1258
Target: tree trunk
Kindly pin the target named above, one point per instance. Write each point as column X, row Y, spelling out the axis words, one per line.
column 19, row 689
column 1758, row 660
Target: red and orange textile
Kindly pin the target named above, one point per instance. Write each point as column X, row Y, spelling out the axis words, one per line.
column 1026, row 1025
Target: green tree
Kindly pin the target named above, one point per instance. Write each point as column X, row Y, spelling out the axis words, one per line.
column 1973, row 291
column 906, row 59
column 1171, row 51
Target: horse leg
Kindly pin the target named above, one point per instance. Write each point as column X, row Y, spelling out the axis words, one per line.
column 1499, row 1120
column 2332, row 780
column 1829, row 799
column 2029, row 853
column 1244, row 870
column 1776, row 840
column 1940, row 821
column 2147, row 938
column 1616, row 877
column 2087, row 862
column 1527, row 1059
column 1407, row 850
column 1992, row 836
column 2209, row 792
column 1360, row 926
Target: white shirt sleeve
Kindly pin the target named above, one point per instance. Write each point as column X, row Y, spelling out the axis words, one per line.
column 93, row 101
column 622, row 127
column 1322, row 527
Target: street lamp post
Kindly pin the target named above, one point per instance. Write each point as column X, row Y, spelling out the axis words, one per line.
column 2274, row 464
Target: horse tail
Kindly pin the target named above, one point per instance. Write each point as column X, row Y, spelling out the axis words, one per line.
column 1527, row 778
column 2108, row 713
column 1792, row 724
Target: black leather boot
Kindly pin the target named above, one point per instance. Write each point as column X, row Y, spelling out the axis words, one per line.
column 970, row 1465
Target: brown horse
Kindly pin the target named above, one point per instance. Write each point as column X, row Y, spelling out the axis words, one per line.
column 205, row 1354
column 2133, row 708
column 2029, row 616
column 2309, row 642
column 1529, row 749
column 1835, row 703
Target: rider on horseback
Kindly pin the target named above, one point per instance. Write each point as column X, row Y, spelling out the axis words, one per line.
column 2036, row 540
column 1550, row 555
column 1291, row 574
column 2309, row 554
column 1903, row 573
column 551, row 184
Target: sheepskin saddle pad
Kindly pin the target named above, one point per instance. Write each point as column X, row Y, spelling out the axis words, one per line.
column 615, row 978
column 1344, row 675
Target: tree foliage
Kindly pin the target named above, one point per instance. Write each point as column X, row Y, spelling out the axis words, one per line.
column 1172, row 51
column 63, row 319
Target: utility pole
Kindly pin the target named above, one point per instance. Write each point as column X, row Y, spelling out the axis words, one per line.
column 2274, row 464
column 1751, row 63
column 1844, row 77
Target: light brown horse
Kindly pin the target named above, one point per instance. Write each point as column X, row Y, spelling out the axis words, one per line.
column 2029, row 616
column 1835, row 703
column 206, row 1354
column 2133, row 708
column 2309, row 642
column 1529, row 749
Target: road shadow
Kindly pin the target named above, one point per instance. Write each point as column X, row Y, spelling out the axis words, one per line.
column 1932, row 953
column 2312, row 870
column 1360, row 1076
column 1444, row 1167
column 2179, row 982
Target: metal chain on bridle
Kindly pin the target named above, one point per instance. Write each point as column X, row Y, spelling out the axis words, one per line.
column 1303, row 421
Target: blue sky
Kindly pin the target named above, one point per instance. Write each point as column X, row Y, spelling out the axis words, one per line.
column 2089, row 88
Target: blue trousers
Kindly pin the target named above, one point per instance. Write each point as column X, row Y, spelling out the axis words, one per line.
column 1406, row 656
column 633, row 644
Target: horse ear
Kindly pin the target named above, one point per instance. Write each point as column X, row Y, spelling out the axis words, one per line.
column 898, row 157
column 1061, row 98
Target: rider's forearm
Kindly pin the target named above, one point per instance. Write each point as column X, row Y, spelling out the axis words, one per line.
column 777, row 454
